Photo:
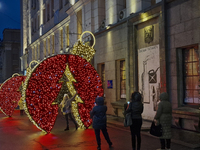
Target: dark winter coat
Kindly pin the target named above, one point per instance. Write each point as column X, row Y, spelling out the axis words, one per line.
column 98, row 114
column 164, row 115
column 136, row 109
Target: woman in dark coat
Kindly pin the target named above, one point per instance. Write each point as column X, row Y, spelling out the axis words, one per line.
column 164, row 117
column 136, row 109
column 98, row 114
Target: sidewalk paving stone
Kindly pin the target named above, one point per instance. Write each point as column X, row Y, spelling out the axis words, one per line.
column 180, row 136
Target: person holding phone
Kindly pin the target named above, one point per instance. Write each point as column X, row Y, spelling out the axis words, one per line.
column 136, row 109
column 98, row 115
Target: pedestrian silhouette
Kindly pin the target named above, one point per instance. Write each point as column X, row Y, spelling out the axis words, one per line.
column 136, row 108
column 98, row 114
column 164, row 117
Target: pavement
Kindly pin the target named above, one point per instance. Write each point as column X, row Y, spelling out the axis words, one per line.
column 17, row 132
column 182, row 137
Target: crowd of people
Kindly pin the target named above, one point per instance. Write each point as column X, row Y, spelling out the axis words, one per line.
column 135, row 107
column 163, row 116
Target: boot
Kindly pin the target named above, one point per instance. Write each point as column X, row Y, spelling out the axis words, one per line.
column 66, row 128
column 76, row 126
column 110, row 145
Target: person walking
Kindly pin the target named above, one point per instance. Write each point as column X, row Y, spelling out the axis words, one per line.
column 164, row 117
column 98, row 114
column 65, row 106
column 136, row 108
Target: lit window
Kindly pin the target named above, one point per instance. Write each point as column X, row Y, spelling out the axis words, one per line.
column 53, row 47
column 79, row 23
column 33, row 53
column 191, row 76
column 101, row 72
column 38, row 51
column 61, row 39
column 67, row 35
column 44, row 16
column 44, row 48
column 103, row 75
column 49, row 46
column 122, row 79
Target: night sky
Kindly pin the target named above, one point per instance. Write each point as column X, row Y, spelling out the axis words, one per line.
column 9, row 15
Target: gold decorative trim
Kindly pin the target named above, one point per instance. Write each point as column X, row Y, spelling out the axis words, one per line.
column 92, row 36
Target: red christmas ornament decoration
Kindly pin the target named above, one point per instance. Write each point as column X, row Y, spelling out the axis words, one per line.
column 10, row 94
column 42, row 87
column 88, row 85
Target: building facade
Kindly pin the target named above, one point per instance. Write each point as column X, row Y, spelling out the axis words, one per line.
column 183, row 42
column 141, row 45
column 10, row 49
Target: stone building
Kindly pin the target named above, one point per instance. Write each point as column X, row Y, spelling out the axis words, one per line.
column 10, row 53
column 150, row 46
column 183, row 42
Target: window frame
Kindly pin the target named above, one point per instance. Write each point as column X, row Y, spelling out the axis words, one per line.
column 53, row 45
column 67, row 36
column 103, row 77
column 44, row 49
column 186, row 76
column 118, row 80
column 122, row 79
column 61, row 39
column 79, row 23
column 180, row 76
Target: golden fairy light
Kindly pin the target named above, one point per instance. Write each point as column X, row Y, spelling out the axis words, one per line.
column 24, row 87
column 82, row 50
column 72, row 90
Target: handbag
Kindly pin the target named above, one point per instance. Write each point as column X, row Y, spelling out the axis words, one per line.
column 128, row 120
column 156, row 130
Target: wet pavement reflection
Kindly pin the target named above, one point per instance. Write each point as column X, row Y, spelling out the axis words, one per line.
column 18, row 133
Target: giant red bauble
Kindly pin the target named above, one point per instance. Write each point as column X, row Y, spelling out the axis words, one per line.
column 10, row 94
column 43, row 87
